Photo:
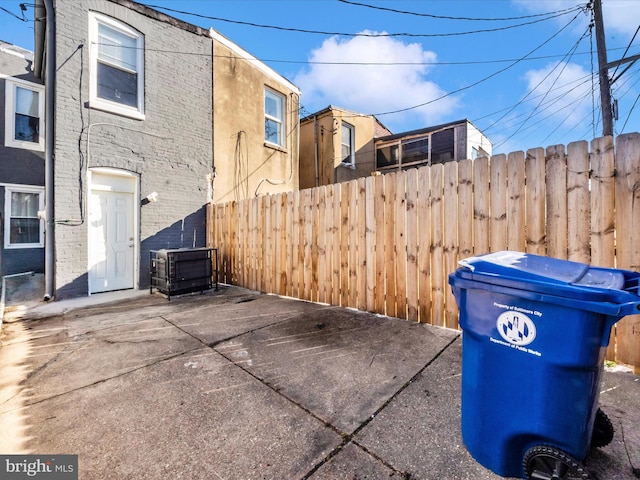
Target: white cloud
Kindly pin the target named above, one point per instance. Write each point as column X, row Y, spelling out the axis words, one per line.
column 620, row 17
column 561, row 92
column 374, row 88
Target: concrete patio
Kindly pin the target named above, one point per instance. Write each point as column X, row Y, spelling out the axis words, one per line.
column 235, row 384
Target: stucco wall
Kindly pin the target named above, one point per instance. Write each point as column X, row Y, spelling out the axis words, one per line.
column 170, row 150
column 327, row 125
column 245, row 164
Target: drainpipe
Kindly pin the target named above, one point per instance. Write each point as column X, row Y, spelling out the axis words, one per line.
column 50, row 88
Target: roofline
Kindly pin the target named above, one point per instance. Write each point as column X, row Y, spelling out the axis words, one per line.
column 210, row 33
column 334, row 107
column 217, row 36
column 432, row 129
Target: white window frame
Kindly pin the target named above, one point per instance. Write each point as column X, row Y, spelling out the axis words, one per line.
column 352, row 156
column 8, row 190
column 280, row 121
column 136, row 112
column 11, row 86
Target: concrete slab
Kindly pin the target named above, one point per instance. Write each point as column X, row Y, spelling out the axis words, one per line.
column 620, row 401
column 352, row 462
column 213, row 324
column 196, row 416
column 419, row 431
column 341, row 365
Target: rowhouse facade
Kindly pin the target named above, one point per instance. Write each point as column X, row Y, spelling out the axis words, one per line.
column 21, row 163
column 154, row 117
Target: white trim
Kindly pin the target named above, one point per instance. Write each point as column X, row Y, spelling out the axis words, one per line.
column 257, row 63
column 352, row 144
column 9, row 188
column 11, row 84
column 135, row 191
column 281, row 121
column 101, row 103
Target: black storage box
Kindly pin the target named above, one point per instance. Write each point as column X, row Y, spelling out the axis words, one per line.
column 182, row 270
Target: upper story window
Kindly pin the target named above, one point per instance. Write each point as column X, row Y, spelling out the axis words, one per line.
column 23, row 228
column 117, row 67
column 24, row 115
column 347, row 142
column 274, row 117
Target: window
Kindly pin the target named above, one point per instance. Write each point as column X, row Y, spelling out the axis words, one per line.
column 415, row 150
column 273, row 117
column 22, row 227
column 24, row 116
column 117, row 73
column 387, row 156
column 348, row 155
column 442, row 148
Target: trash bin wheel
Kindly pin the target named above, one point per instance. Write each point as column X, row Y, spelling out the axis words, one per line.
column 544, row 462
column 602, row 430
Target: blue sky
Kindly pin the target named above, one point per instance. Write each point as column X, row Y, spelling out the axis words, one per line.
column 525, row 80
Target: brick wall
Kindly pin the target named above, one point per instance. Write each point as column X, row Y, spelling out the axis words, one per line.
column 170, row 150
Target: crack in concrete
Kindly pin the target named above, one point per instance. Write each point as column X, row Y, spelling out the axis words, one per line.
column 350, row 438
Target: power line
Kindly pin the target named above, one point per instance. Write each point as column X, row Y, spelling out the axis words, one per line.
column 446, row 17
column 351, row 34
column 23, row 9
column 483, row 79
column 564, row 66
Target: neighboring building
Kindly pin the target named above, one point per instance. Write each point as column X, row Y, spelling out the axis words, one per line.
column 151, row 124
column 21, row 163
column 255, row 128
column 337, row 145
column 443, row 143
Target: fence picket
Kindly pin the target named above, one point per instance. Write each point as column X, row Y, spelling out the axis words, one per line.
column 412, row 243
column 516, row 199
column 481, row 206
column 498, row 194
column 380, row 213
column 370, row 241
column 437, row 250
column 627, row 214
column 578, row 207
column 336, row 246
column 361, row 225
column 400, row 231
column 424, row 246
column 390, row 255
column 450, row 240
column 536, row 195
column 557, row 221
column 344, row 243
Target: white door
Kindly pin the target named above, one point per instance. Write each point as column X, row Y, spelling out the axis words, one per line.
column 111, row 234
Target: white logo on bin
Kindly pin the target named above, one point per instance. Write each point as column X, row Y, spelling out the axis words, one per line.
column 516, row 328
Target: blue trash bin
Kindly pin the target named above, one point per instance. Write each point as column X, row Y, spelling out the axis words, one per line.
column 534, row 332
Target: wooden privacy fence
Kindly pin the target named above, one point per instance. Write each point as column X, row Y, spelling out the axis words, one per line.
column 387, row 243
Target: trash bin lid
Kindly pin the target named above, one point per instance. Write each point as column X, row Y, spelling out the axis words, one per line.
column 542, row 274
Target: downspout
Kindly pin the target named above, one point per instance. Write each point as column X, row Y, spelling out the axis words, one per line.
column 50, row 88
column 315, row 146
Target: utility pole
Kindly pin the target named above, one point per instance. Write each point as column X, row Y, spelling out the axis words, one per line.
column 603, row 71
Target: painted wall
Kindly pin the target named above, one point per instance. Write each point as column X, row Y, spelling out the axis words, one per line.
column 170, row 150
column 17, row 166
column 245, row 164
column 325, row 131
